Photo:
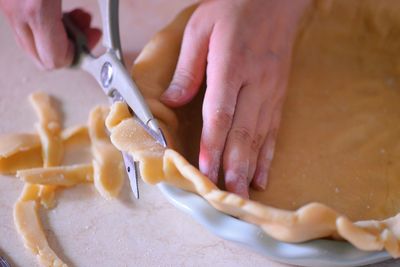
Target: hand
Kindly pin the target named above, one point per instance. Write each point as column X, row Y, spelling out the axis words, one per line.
column 245, row 48
column 39, row 30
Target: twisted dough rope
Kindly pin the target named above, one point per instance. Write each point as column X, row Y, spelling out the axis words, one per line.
column 311, row 221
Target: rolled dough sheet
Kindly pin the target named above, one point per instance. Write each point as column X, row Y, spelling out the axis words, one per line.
column 339, row 141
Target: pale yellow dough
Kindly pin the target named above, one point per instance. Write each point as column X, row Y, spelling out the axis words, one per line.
column 21, row 152
column 62, row 175
column 49, row 129
column 108, row 167
column 29, row 227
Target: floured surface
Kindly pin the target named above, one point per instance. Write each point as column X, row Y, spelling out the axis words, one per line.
column 339, row 142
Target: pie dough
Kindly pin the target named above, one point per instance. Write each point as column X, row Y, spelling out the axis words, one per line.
column 335, row 173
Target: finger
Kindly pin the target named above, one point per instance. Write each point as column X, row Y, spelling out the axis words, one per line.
column 24, row 37
column 272, row 97
column 267, row 152
column 240, row 139
column 51, row 41
column 263, row 123
column 82, row 20
column 223, row 84
column 190, row 69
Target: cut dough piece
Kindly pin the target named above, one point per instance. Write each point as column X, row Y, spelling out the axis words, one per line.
column 60, row 176
column 23, row 160
column 19, row 151
column 24, row 151
column 11, row 144
column 76, row 133
column 29, row 227
column 49, row 128
column 108, row 167
column 45, row 195
column 42, row 183
column 49, row 131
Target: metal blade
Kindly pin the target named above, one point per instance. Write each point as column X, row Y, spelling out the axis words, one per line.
column 118, row 84
column 133, row 173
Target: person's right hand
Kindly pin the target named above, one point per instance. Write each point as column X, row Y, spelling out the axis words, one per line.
column 245, row 48
column 39, row 30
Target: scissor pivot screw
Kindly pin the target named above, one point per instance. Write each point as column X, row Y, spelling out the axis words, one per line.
column 106, row 74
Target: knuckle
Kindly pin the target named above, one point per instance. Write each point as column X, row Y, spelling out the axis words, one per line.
column 230, row 83
column 256, row 143
column 32, row 9
column 184, row 78
column 194, row 25
column 222, row 118
column 272, row 56
column 242, row 134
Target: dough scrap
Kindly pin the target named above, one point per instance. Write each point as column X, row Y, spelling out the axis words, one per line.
column 49, row 128
column 108, row 167
column 36, row 160
column 24, row 151
column 59, row 176
column 19, row 151
column 28, row 225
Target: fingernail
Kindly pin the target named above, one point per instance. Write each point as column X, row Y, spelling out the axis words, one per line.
column 270, row 153
column 172, row 94
column 209, row 166
column 263, row 181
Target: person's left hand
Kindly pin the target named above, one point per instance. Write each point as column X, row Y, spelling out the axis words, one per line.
column 245, row 47
column 39, row 30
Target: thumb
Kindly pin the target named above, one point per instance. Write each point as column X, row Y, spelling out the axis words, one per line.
column 191, row 66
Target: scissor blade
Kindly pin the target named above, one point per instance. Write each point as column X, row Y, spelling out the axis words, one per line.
column 133, row 173
column 122, row 84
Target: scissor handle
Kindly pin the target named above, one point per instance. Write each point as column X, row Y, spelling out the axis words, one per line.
column 79, row 39
column 110, row 23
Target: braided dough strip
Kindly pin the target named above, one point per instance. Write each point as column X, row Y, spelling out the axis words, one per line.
column 311, row 221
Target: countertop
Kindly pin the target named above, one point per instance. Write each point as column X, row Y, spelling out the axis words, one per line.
column 85, row 229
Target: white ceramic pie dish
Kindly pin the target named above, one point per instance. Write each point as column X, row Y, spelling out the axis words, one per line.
column 317, row 253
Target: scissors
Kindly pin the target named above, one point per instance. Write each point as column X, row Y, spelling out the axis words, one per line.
column 109, row 71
